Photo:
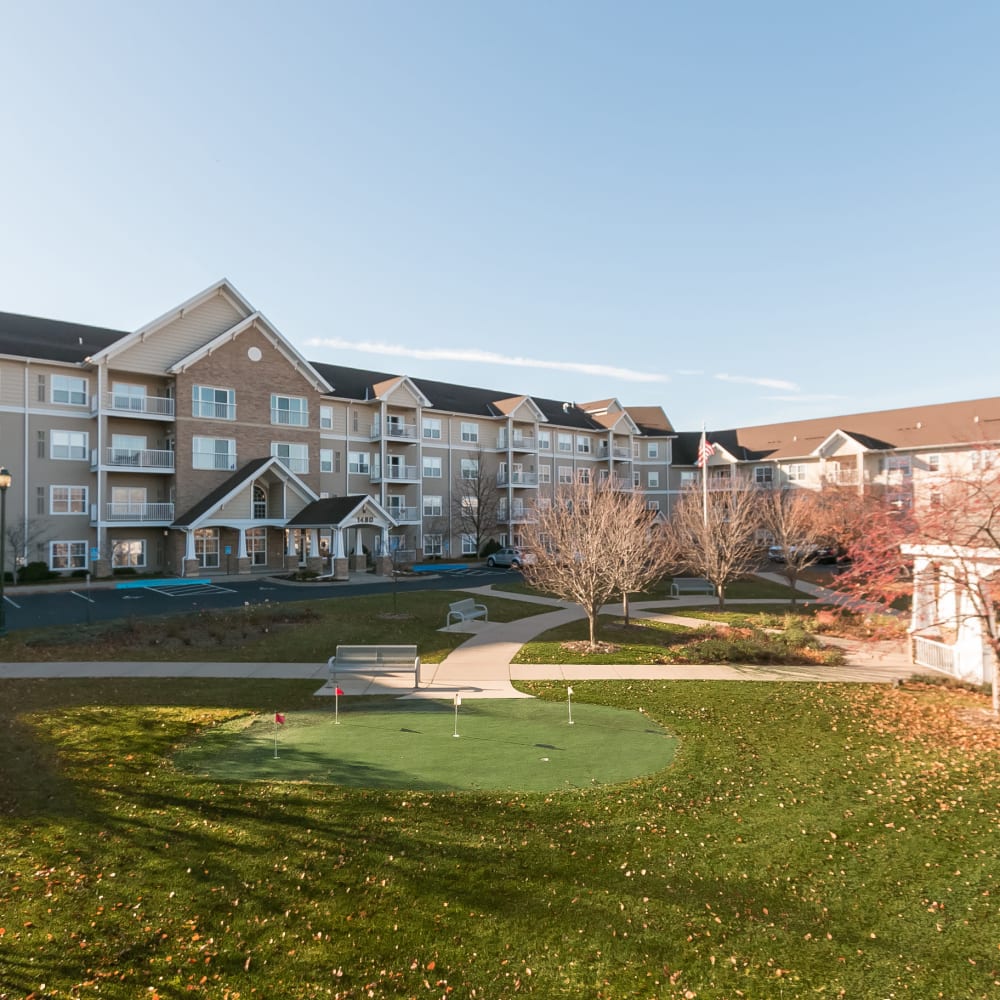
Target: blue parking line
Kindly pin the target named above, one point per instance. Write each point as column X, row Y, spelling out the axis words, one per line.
column 178, row 582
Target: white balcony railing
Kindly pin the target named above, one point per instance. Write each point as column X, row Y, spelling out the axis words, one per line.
column 396, row 473
column 211, row 410
column 138, row 458
column 139, row 512
column 394, row 431
column 404, row 515
column 220, row 461
column 289, row 418
column 518, row 442
column 122, row 404
column 517, row 479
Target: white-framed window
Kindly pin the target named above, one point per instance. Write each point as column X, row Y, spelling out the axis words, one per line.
column 432, row 505
column 899, row 464
column 127, row 502
column 564, row 442
column 637, row 479
column 67, row 499
column 128, row 449
column 256, row 539
column 326, row 418
column 470, row 505
column 294, row 454
column 763, row 475
column 206, row 547
column 357, row 462
column 652, row 505
column 652, row 450
column 128, row 552
column 470, row 468
column 470, row 432
column 468, row 544
column 432, row 545
column 68, row 555
column 326, row 460
column 582, row 444
column 635, row 449
column 212, row 403
column 432, row 428
column 213, row 453
column 69, row 389
column 69, row 445
column 432, row 466
column 290, row 411
column 545, row 473
column 653, row 480
column 544, row 441
column 933, row 463
column 128, row 396
column 797, row 472
column 565, row 474
column 981, row 458
column 583, row 476
column 688, row 477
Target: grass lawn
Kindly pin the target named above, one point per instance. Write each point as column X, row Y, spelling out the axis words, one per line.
column 297, row 632
column 807, row 841
column 751, row 589
column 644, row 641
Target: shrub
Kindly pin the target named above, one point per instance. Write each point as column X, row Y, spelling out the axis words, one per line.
column 34, row 572
column 80, row 574
column 124, row 571
column 490, row 547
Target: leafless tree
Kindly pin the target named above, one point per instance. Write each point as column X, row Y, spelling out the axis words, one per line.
column 590, row 544
column 476, row 500
column 794, row 519
column 22, row 535
column 720, row 543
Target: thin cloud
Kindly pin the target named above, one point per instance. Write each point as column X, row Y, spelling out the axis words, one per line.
column 766, row 383
column 473, row 356
column 814, row 398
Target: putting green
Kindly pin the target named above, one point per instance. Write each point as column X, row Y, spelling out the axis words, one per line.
column 512, row 745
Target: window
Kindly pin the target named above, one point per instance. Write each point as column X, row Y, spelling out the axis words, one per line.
column 565, row 474
column 128, row 552
column 545, row 473
column 933, row 463
column 583, row 445
column 127, row 449
column 213, row 453
column 68, row 389
column 213, row 404
column 326, row 460
column 256, row 541
column 583, row 476
column 126, row 396
column 70, row 445
column 68, row 500
column 468, row 545
column 295, row 456
column 68, row 555
column 206, row 547
column 432, row 545
column 565, row 442
column 470, row 468
column 259, row 502
column 688, row 478
column 470, row 432
column 635, row 449
column 432, row 428
column 652, row 505
column 653, row 480
column 637, row 479
column 432, row 467
column 797, row 473
column 899, row 464
column 289, row 410
column 652, row 450
column 544, row 441
column 763, row 475
column 470, row 505
column 326, row 418
column 432, row 506
column 357, row 462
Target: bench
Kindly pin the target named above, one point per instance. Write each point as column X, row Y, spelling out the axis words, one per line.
column 375, row 660
column 466, row 611
column 690, row 585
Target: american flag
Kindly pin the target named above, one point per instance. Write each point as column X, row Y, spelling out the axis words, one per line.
column 705, row 451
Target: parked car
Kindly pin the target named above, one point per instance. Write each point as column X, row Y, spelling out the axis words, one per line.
column 822, row 554
column 511, row 557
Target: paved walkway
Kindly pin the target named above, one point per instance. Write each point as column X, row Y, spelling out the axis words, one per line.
column 481, row 667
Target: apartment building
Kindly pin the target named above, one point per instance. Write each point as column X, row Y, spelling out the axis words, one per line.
column 204, row 442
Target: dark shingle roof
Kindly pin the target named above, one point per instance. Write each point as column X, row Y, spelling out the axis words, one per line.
column 52, row 340
column 327, row 511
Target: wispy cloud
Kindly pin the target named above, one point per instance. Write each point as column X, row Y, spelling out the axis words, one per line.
column 472, row 356
column 766, row 383
column 806, row 398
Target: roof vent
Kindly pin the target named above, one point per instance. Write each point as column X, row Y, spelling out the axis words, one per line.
column 80, row 341
column 565, row 407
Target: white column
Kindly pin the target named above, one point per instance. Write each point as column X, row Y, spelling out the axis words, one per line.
column 189, row 552
column 925, row 607
column 241, row 547
column 359, row 548
column 385, row 542
column 313, row 543
column 338, row 544
column 290, row 545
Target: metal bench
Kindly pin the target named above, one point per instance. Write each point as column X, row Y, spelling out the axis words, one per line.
column 375, row 660
column 690, row 585
column 466, row 611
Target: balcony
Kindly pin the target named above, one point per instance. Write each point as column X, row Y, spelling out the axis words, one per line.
column 138, row 513
column 144, row 407
column 396, row 474
column 138, row 459
column 516, row 515
column 620, row 453
column 404, row 515
column 517, row 478
column 843, row 477
column 394, row 431
column 517, row 442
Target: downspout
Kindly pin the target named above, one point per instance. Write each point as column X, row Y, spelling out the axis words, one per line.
column 25, row 476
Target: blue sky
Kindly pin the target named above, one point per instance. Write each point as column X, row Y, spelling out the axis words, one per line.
column 743, row 212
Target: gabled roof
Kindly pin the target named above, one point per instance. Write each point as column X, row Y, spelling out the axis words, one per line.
column 383, row 390
column 329, row 512
column 612, row 421
column 236, row 482
column 510, row 406
column 53, row 340
column 651, row 420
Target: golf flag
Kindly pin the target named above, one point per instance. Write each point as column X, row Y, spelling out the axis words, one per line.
column 338, row 692
column 458, row 700
column 705, row 451
column 279, row 718
column 569, row 690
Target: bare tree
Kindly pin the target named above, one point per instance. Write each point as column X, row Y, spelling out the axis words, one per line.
column 796, row 523
column 21, row 536
column 719, row 542
column 476, row 500
column 638, row 556
column 591, row 543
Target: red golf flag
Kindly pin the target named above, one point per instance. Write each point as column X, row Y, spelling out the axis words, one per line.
column 339, row 691
column 279, row 718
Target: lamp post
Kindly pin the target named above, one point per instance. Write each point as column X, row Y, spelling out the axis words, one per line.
column 5, row 478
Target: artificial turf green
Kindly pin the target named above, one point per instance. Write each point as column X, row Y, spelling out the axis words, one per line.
column 502, row 745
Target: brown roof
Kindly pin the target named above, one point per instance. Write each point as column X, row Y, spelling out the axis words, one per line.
column 650, row 419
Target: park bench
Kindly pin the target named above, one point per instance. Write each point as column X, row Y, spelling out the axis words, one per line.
column 690, row 585
column 375, row 660
column 466, row 611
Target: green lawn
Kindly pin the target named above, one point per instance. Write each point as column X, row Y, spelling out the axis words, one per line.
column 750, row 589
column 807, row 841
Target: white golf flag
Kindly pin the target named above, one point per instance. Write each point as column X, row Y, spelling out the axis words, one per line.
column 458, row 700
column 569, row 690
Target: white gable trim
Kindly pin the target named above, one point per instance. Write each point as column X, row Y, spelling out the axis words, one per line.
column 405, row 380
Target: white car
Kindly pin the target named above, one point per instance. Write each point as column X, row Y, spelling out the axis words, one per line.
column 511, row 557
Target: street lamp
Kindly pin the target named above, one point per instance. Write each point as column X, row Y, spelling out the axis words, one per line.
column 5, row 478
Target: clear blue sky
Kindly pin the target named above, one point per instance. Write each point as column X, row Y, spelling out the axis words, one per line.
column 743, row 212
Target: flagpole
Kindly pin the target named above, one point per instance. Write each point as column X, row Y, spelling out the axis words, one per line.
column 569, row 704
column 458, row 701
column 703, row 456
